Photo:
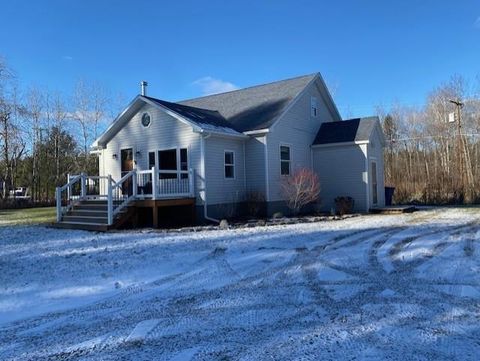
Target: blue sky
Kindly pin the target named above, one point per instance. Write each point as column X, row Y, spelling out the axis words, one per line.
column 370, row 52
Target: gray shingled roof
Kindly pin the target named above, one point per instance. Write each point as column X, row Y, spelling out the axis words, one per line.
column 253, row 108
column 352, row 130
column 197, row 115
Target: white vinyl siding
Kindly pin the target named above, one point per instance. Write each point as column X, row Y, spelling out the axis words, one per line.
column 375, row 154
column 342, row 172
column 297, row 129
column 219, row 189
column 313, row 107
column 164, row 132
column 255, row 164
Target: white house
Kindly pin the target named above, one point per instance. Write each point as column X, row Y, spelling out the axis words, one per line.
column 215, row 150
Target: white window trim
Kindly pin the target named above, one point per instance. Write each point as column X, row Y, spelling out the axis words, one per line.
column 134, row 155
column 141, row 120
column 179, row 163
column 289, row 146
column 225, row 151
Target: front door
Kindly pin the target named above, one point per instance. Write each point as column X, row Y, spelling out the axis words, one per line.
column 127, row 166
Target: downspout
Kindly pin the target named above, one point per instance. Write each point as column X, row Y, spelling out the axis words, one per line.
column 202, row 156
column 244, row 168
column 367, row 171
column 267, row 188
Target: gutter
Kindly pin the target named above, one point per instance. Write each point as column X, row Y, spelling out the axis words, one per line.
column 202, row 156
column 259, row 131
column 222, row 134
column 326, row 145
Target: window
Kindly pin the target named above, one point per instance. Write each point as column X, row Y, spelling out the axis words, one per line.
column 146, row 119
column 314, row 107
column 229, row 164
column 167, row 163
column 285, row 160
column 172, row 163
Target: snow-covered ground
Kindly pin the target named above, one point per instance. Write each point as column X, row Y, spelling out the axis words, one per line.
column 399, row 287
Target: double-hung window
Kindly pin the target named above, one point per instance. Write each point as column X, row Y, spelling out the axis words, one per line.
column 229, row 162
column 173, row 163
column 285, row 160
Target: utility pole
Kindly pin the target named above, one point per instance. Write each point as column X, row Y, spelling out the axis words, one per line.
column 462, row 147
column 459, row 106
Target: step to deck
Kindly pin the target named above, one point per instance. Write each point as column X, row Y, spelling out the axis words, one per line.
column 85, row 219
column 82, row 226
column 393, row 209
column 79, row 212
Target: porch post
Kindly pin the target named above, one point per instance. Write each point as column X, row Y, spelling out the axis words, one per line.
column 58, row 196
column 134, row 184
column 84, row 189
column 69, row 188
column 110, row 201
column 191, row 191
column 154, row 182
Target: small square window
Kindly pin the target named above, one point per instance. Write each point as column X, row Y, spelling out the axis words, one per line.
column 229, row 161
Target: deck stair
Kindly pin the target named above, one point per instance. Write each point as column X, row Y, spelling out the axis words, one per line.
column 92, row 215
column 100, row 203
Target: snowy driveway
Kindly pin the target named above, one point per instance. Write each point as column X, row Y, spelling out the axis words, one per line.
column 375, row 287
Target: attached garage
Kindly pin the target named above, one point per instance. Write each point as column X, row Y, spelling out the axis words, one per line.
column 348, row 158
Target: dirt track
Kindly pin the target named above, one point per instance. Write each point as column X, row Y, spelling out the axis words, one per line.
column 403, row 288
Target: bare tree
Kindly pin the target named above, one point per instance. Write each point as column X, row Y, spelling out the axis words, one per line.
column 12, row 143
column 432, row 159
column 90, row 104
column 35, row 108
column 300, row 189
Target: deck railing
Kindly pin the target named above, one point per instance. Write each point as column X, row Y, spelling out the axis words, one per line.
column 145, row 184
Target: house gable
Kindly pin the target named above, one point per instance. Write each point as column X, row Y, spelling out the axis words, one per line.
column 200, row 120
column 296, row 128
column 258, row 108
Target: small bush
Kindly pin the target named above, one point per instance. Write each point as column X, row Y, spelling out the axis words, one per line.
column 300, row 189
column 255, row 201
column 344, row 205
column 277, row 215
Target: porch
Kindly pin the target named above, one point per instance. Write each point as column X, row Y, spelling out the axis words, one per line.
column 102, row 202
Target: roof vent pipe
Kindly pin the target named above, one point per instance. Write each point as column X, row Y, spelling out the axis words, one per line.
column 144, row 85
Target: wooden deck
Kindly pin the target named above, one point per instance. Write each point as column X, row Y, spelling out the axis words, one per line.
column 92, row 215
column 157, row 203
column 393, row 209
column 101, row 203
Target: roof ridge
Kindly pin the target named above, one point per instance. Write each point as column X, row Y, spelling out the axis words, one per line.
column 182, row 105
column 249, row 87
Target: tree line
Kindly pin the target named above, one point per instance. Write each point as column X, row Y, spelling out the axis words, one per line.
column 44, row 135
column 431, row 156
column 432, row 153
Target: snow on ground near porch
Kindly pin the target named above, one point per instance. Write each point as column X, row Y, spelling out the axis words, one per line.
column 371, row 287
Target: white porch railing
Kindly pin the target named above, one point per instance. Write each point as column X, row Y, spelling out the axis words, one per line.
column 147, row 184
